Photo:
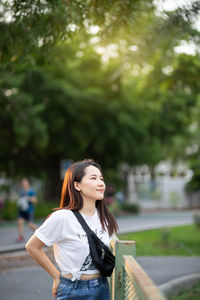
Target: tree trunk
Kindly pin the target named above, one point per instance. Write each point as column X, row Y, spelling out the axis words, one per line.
column 53, row 182
column 132, row 195
column 153, row 178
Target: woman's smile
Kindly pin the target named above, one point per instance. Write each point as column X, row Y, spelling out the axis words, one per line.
column 101, row 190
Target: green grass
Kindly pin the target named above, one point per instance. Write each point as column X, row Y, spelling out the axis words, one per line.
column 192, row 294
column 184, row 240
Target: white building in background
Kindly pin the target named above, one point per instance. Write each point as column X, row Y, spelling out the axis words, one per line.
column 166, row 190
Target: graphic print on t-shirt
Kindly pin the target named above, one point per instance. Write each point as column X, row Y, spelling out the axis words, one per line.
column 99, row 233
column 88, row 264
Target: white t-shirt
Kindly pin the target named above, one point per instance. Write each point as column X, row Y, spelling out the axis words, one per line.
column 70, row 243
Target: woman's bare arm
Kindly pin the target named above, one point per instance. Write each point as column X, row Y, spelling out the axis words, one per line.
column 34, row 248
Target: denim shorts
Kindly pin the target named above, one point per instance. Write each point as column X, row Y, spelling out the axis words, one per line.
column 26, row 215
column 94, row 289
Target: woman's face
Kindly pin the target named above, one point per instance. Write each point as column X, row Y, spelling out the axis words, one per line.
column 92, row 185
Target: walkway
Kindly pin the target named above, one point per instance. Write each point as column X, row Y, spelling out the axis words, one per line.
column 143, row 221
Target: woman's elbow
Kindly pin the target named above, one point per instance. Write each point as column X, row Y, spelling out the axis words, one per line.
column 33, row 244
column 28, row 247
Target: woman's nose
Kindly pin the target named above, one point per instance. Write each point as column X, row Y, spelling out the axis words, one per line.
column 100, row 183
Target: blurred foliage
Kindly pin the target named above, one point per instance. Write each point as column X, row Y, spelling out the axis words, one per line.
column 35, row 26
column 9, row 210
column 194, row 183
column 196, row 218
column 187, row 294
column 130, row 207
column 95, row 79
column 115, row 208
column 123, row 209
column 43, row 209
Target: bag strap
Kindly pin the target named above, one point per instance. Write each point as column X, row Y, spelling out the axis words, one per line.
column 81, row 220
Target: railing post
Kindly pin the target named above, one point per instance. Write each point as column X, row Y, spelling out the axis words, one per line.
column 121, row 248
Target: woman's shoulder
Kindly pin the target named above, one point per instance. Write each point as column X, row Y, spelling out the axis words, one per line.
column 62, row 213
column 60, row 216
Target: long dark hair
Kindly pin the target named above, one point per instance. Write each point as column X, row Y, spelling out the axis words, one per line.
column 72, row 199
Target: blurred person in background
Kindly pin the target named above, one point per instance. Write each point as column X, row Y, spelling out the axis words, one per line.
column 27, row 199
column 109, row 197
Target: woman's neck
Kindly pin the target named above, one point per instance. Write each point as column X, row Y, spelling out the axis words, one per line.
column 88, row 208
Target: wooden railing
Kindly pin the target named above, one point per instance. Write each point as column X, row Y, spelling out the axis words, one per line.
column 129, row 281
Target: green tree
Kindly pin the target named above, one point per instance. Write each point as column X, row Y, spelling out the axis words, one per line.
column 66, row 95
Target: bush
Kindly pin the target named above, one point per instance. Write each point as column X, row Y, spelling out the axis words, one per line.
column 115, row 208
column 9, row 211
column 43, row 209
column 194, row 183
column 197, row 220
column 130, row 207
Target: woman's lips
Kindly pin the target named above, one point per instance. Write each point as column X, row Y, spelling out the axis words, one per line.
column 101, row 191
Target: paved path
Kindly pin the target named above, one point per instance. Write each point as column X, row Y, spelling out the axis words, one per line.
column 30, row 283
column 162, row 269
column 146, row 221
column 143, row 221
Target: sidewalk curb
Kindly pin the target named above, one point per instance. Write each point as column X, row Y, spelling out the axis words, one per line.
column 180, row 284
column 153, row 227
column 12, row 248
column 19, row 259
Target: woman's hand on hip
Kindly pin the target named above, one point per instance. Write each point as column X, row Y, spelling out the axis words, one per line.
column 55, row 286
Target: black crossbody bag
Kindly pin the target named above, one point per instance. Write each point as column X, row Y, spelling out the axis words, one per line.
column 101, row 254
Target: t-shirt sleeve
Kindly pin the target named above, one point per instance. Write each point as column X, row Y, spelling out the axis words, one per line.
column 31, row 193
column 50, row 231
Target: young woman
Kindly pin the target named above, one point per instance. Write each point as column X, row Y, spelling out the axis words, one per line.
column 83, row 190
